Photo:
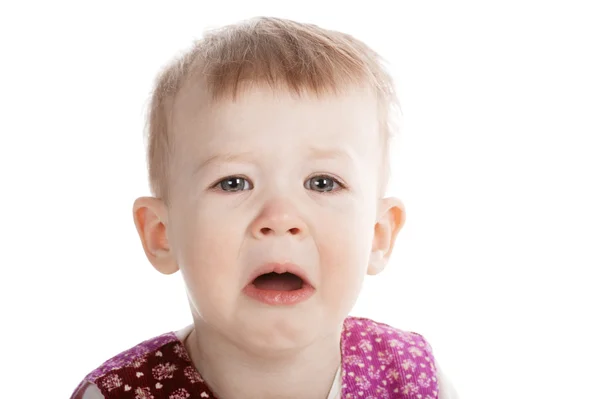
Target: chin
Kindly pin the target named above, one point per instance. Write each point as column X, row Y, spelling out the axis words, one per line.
column 277, row 331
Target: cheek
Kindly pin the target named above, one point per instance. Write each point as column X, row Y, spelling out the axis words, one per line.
column 207, row 252
column 205, row 240
column 348, row 234
column 344, row 250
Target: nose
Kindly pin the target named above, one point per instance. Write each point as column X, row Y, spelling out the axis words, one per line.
column 279, row 218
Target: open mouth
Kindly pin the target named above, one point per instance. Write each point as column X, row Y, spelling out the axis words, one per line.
column 278, row 282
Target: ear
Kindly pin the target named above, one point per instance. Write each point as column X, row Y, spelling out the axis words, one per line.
column 390, row 219
column 151, row 218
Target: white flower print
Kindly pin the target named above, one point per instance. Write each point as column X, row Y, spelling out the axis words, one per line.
column 374, row 373
column 143, row 393
column 181, row 352
column 385, row 358
column 392, row 375
column 363, row 382
column 354, row 360
column 382, row 393
column 192, row 375
column 423, row 380
column 111, row 382
column 139, row 362
column 377, row 330
column 395, row 343
column 180, row 393
column 416, row 352
column 163, row 370
column 410, row 388
column 409, row 364
column 365, row 345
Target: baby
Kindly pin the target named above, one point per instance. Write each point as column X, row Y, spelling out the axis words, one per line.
column 268, row 163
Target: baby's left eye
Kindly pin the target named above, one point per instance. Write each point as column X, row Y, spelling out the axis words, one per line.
column 322, row 184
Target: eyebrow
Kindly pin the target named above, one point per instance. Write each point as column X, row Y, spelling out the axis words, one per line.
column 242, row 157
column 329, row 153
column 249, row 156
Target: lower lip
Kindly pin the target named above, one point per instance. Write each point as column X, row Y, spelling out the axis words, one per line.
column 285, row 298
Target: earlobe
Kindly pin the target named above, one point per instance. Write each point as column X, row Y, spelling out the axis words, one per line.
column 377, row 263
column 150, row 218
column 390, row 220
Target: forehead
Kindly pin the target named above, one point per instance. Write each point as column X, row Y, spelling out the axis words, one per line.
column 263, row 120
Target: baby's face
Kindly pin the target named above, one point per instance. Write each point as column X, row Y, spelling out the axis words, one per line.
column 275, row 183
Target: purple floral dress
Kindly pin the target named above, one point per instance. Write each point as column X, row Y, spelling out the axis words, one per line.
column 378, row 362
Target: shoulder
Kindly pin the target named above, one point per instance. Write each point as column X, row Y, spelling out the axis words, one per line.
column 134, row 356
column 359, row 328
column 108, row 375
column 407, row 347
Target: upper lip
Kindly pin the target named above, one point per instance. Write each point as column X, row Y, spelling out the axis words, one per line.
column 280, row 268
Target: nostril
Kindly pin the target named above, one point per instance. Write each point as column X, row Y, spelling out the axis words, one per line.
column 267, row 231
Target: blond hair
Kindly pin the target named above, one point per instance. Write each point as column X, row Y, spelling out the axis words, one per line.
column 277, row 52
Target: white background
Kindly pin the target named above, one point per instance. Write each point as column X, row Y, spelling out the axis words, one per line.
column 498, row 165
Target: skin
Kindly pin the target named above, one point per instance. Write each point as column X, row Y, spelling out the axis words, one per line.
column 287, row 152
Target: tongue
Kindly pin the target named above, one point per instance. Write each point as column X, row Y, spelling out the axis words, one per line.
column 278, row 282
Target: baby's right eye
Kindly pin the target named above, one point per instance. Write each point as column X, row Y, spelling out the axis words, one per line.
column 234, row 184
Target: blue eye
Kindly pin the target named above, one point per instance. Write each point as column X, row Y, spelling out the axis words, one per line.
column 234, row 184
column 323, row 184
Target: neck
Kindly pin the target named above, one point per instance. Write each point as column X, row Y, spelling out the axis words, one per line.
column 232, row 372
